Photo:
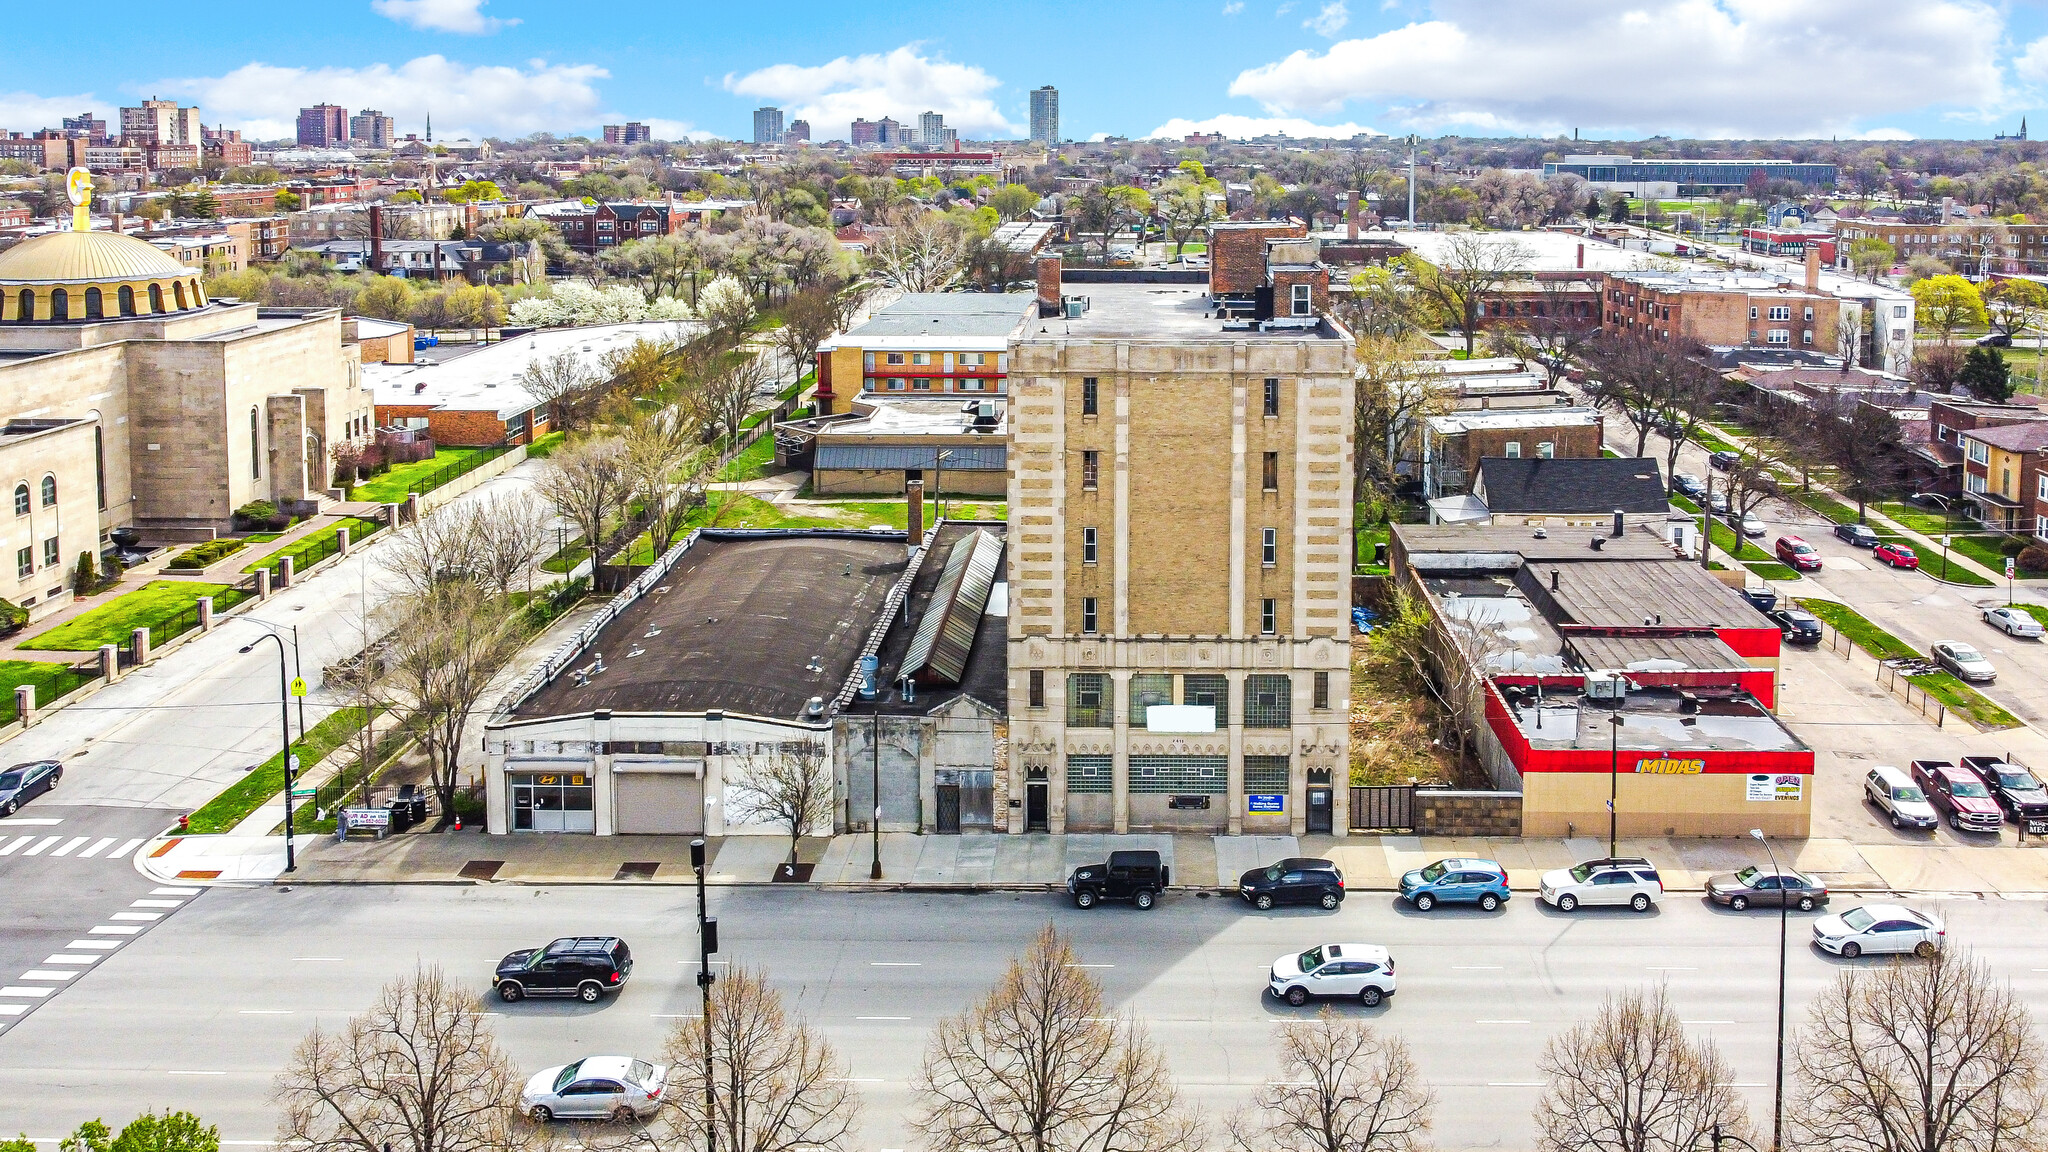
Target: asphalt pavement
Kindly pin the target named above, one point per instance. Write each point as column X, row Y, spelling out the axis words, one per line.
column 201, row 1011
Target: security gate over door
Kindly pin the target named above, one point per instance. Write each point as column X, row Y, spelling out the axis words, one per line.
column 1383, row 808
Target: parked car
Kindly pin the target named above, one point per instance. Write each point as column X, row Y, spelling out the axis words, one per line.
column 24, row 782
column 1762, row 598
column 1718, row 503
column 1860, row 535
column 1724, row 460
column 1670, row 429
column 1995, row 340
column 1621, row 880
column 1796, row 626
column 2016, row 789
column 1798, row 553
column 1739, row 890
column 595, row 1087
column 1688, row 485
column 1964, row 661
column 1749, row 524
column 1138, row 876
column 1456, row 881
column 2014, row 622
column 1961, row 794
column 1879, row 928
column 1296, row 880
column 1898, row 797
column 1896, row 555
column 1362, row 970
column 585, row 967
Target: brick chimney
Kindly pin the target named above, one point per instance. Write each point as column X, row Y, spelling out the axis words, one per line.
column 1812, row 267
column 916, row 519
column 1049, row 284
column 1582, row 255
column 1351, row 215
column 377, row 239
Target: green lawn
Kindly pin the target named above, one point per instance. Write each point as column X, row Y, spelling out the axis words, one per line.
column 566, row 560
column 1959, row 697
column 545, row 447
column 1824, row 504
column 1926, row 521
column 1705, row 438
column 51, row 681
column 2037, row 611
column 263, row 783
column 1990, row 552
column 1932, row 563
column 755, row 462
column 1742, row 549
column 165, row 607
column 404, row 479
column 796, row 389
column 754, row 418
column 1772, row 570
column 316, row 547
column 1369, row 535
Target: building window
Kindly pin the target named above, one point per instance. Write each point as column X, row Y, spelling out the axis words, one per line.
column 1265, row 775
column 1088, row 614
column 156, row 297
column 973, row 359
column 1978, row 453
column 1941, row 433
column 1752, row 311
column 2041, row 527
column 49, row 491
column 1091, row 469
column 1809, row 315
column 1898, row 311
column 920, row 357
column 99, row 462
column 1180, row 775
column 1088, row 700
column 1304, row 300
column 921, row 384
column 1037, row 688
column 1272, row 395
column 1269, row 614
column 21, row 499
column 1090, row 397
column 1546, row 449
column 24, row 562
column 126, row 299
column 1269, row 547
column 255, row 448
column 1512, row 450
column 2041, row 487
column 897, row 383
column 178, row 290
column 1147, row 689
column 1809, row 336
column 1268, row 702
column 1322, row 691
column 970, row 384
column 1781, row 312
column 1087, row 545
column 1209, row 690
column 894, row 358
column 60, row 304
column 1269, row 472
column 1778, row 336
column 50, row 552
column 94, row 307
column 1090, row 774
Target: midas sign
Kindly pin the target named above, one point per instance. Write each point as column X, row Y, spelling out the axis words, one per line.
column 1669, row 767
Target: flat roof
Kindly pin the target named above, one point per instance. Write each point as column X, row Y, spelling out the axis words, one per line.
column 487, row 380
column 1554, row 416
column 1446, row 547
column 1653, row 720
column 876, row 415
column 744, row 623
column 1177, row 312
column 1670, row 593
column 1701, row 652
column 1546, row 251
column 971, row 321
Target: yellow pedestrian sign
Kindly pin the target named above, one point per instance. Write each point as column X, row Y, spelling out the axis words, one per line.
column 298, row 685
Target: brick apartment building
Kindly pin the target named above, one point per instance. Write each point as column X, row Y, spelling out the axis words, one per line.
column 1944, row 461
column 1990, row 245
column 1453, row 444
column 1237, row 255
column 942, row 346
column 1720, row 310
column 595, row 227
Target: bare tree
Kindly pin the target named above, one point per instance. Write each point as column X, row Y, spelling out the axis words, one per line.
column 808, row 318
column 1471, row 269
column 441, row 544
column 789, row 785
column 1936, row 1055
column 587, row 483
column 778, row 1085
column 565, row 385
column 446, row 644
column 513, row 531
column 662, row 457
column 927, row 254
column 419, row 1071
column 1394, row 393
column 1629, row 377
column 1038, row 1066
column 723, row 394
column 1630, row 1080
column 1344, row 1087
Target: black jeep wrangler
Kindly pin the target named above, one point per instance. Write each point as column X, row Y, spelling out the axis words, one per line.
column 1135, row 876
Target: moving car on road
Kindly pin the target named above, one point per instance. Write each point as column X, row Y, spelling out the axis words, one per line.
column 1798, row 553
column 585, row 967
column 1964, row 661
column 1765, row 888
column 1456, row 881
column 2014, row 622
column 1860, row 535
column 1896, row 555
column 1362, row 970
column 1620, row 880
column 1879, row 928
column 2015, row 788
column 1959, row 793
column 1796, row 626
column 1898, row 797
column 595, row 1088
column 1138, row 875
column 24, row 782
column 1296, row 880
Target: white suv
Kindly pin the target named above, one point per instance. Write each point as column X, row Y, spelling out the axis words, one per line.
column 1622, row 880
column 1364, row 971
column 1899, row 798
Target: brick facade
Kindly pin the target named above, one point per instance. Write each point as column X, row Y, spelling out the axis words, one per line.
column 1237, row 253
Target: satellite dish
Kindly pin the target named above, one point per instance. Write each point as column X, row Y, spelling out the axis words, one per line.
column 78, row 185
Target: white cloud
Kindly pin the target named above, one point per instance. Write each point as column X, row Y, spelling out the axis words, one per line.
column 901, row 83
column 485, row 100
column 1233, row 8
column 670, row 129
column 27, row 112
column 464, row 16
column 1243, row 127
column 1758, row 68
column 1330, row 21
column 1883, row 134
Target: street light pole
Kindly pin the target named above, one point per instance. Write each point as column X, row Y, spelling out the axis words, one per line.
column 1778, row 1096
column 284, row 724
column 875, row 746
column 707, row 943
column 1613, row 783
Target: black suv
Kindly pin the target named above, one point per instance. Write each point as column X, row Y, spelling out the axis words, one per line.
column 1137, row 876
column 1796, row 626
column 1296, row 880
column 585, row 967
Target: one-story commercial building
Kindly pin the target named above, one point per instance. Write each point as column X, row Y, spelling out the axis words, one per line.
column 884, row 443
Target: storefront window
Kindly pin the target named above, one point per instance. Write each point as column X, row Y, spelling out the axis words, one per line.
column 552, row 802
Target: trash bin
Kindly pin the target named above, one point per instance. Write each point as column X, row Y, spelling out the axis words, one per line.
column 401, row 814
column 415, row 803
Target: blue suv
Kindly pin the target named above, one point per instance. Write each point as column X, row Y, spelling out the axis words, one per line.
column 1480, row 882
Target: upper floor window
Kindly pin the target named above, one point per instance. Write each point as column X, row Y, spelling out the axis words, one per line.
column 49, row 491
column 1091, row 468
column 973, row 359
column 894, row 357
column 1269, row 548
column 21, row 499
column 1781, row 312
column 1272, row 395
column 1091, row 399
column 1088, row 549
column 1270, row 472
column 1304, row 300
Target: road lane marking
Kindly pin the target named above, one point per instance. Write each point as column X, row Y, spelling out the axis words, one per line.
column 114, row 930
column 98, row 848
column 147, row 917
column 177, row 892
column 128, row 849
column 35, row 821
column 23, row 990
column 66, row 958
column 158, row 904
column 102, row 945
column 17, row 845
column 42, row 846
column 73, row 845
column 12, row 1009
column 46, row 974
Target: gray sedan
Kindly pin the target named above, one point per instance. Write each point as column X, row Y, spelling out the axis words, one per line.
column 25, row 782
column 1965, row 662
column 595, row 1088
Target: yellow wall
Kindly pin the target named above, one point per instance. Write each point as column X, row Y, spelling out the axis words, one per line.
column 1709, row 804
column 10, row 298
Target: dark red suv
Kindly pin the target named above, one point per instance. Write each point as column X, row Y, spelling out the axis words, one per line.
column 1959, row 792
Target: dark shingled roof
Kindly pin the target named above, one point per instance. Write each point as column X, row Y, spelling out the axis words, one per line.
column 1577, row 484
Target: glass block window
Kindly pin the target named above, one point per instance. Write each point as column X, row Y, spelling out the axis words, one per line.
column 1268, row 702
column 1206, row 689
column 1088, row 774
column 1180, row 774
column 1088, row 704
column 1265, row 775
column 1146, row 690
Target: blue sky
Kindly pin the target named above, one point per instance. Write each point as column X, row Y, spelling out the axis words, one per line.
column 1620, row 68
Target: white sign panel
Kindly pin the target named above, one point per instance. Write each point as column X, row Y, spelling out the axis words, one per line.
column 1180, row 718
column 1776, row 785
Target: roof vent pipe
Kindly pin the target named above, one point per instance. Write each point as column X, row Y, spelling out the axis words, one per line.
column 1617, row 523
column 1553, row 579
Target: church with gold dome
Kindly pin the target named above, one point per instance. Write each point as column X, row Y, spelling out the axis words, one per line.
column 129, row 398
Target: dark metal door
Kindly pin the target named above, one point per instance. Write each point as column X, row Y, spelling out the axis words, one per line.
column 949, row 808
column 1383, row 808
column 1319, row 810
column 1034, row 807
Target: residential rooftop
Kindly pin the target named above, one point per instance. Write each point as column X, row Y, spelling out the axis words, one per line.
column 1554, row 416
column 966, row 321
column 2031, row 436
column 1591, row 484
column 986, row 674
column 488, row 378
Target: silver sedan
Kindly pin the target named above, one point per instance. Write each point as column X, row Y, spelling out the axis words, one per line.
column 2014, row 622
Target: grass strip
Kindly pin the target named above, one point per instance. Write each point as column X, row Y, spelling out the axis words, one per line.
column 1772, row 570
column 751, row 464
column 1948, row 568
column 1825, row 504
column 51, row 681
column 404, row 479
column 1959, row 697
column 566, row 560
column 545, row 447
column 266, row 780
column 317, row 547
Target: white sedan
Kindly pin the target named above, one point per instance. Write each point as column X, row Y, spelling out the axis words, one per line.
column 1879, row 928
column 2014, row 622
column 595, row 1088
column 1364, row 971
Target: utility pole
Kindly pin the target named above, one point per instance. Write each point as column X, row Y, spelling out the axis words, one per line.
column 707, row 943
column 875, row 745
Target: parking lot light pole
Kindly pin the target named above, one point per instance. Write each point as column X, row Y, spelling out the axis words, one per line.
column 707, row 943
column 1613, row 784
column 1778, row 1095
column 284, row 723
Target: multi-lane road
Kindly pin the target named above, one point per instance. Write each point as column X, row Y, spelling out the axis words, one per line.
column 202, row 1009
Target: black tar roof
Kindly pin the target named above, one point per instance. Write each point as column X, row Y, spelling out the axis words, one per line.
column 736, row 627
column 986, row 678
column 1591, row 484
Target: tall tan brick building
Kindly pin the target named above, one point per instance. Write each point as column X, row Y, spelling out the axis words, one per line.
column 1178, row 567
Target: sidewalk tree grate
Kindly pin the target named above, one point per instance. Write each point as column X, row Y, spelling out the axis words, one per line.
column 481, row 869
column 637, row 870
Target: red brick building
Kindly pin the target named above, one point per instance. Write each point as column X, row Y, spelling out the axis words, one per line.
column 595, row 227
column 1941, row 456
column 1237, row 254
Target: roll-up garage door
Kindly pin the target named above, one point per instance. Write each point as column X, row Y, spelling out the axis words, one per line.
column 659, row 803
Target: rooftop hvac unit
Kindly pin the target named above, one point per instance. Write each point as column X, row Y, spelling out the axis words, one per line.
column 1607, row 686
column 1075, row 306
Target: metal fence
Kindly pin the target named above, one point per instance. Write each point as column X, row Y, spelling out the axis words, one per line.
column 447, row 472
column 1383, row 808
column 308, row 554
column 1897, row 677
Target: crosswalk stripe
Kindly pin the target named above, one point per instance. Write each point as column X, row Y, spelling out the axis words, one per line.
column 144, row 916
column 158, row 904
column 42, row 846
column 175, row 891
column 102, row 945
column 96, row 849
column 72, row 846
column 47, row 974
column 114, row 929
column 19, row 843
column 129, row 848
column 12, row 1009
column 68, row 958
column 23, row 990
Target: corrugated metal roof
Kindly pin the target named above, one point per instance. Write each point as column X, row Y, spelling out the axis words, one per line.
column 880, row 457
column 946, row 634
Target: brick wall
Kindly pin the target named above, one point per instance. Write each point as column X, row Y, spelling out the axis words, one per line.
column 1283, row 290
column 1444, row 812
column 1237, row 255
